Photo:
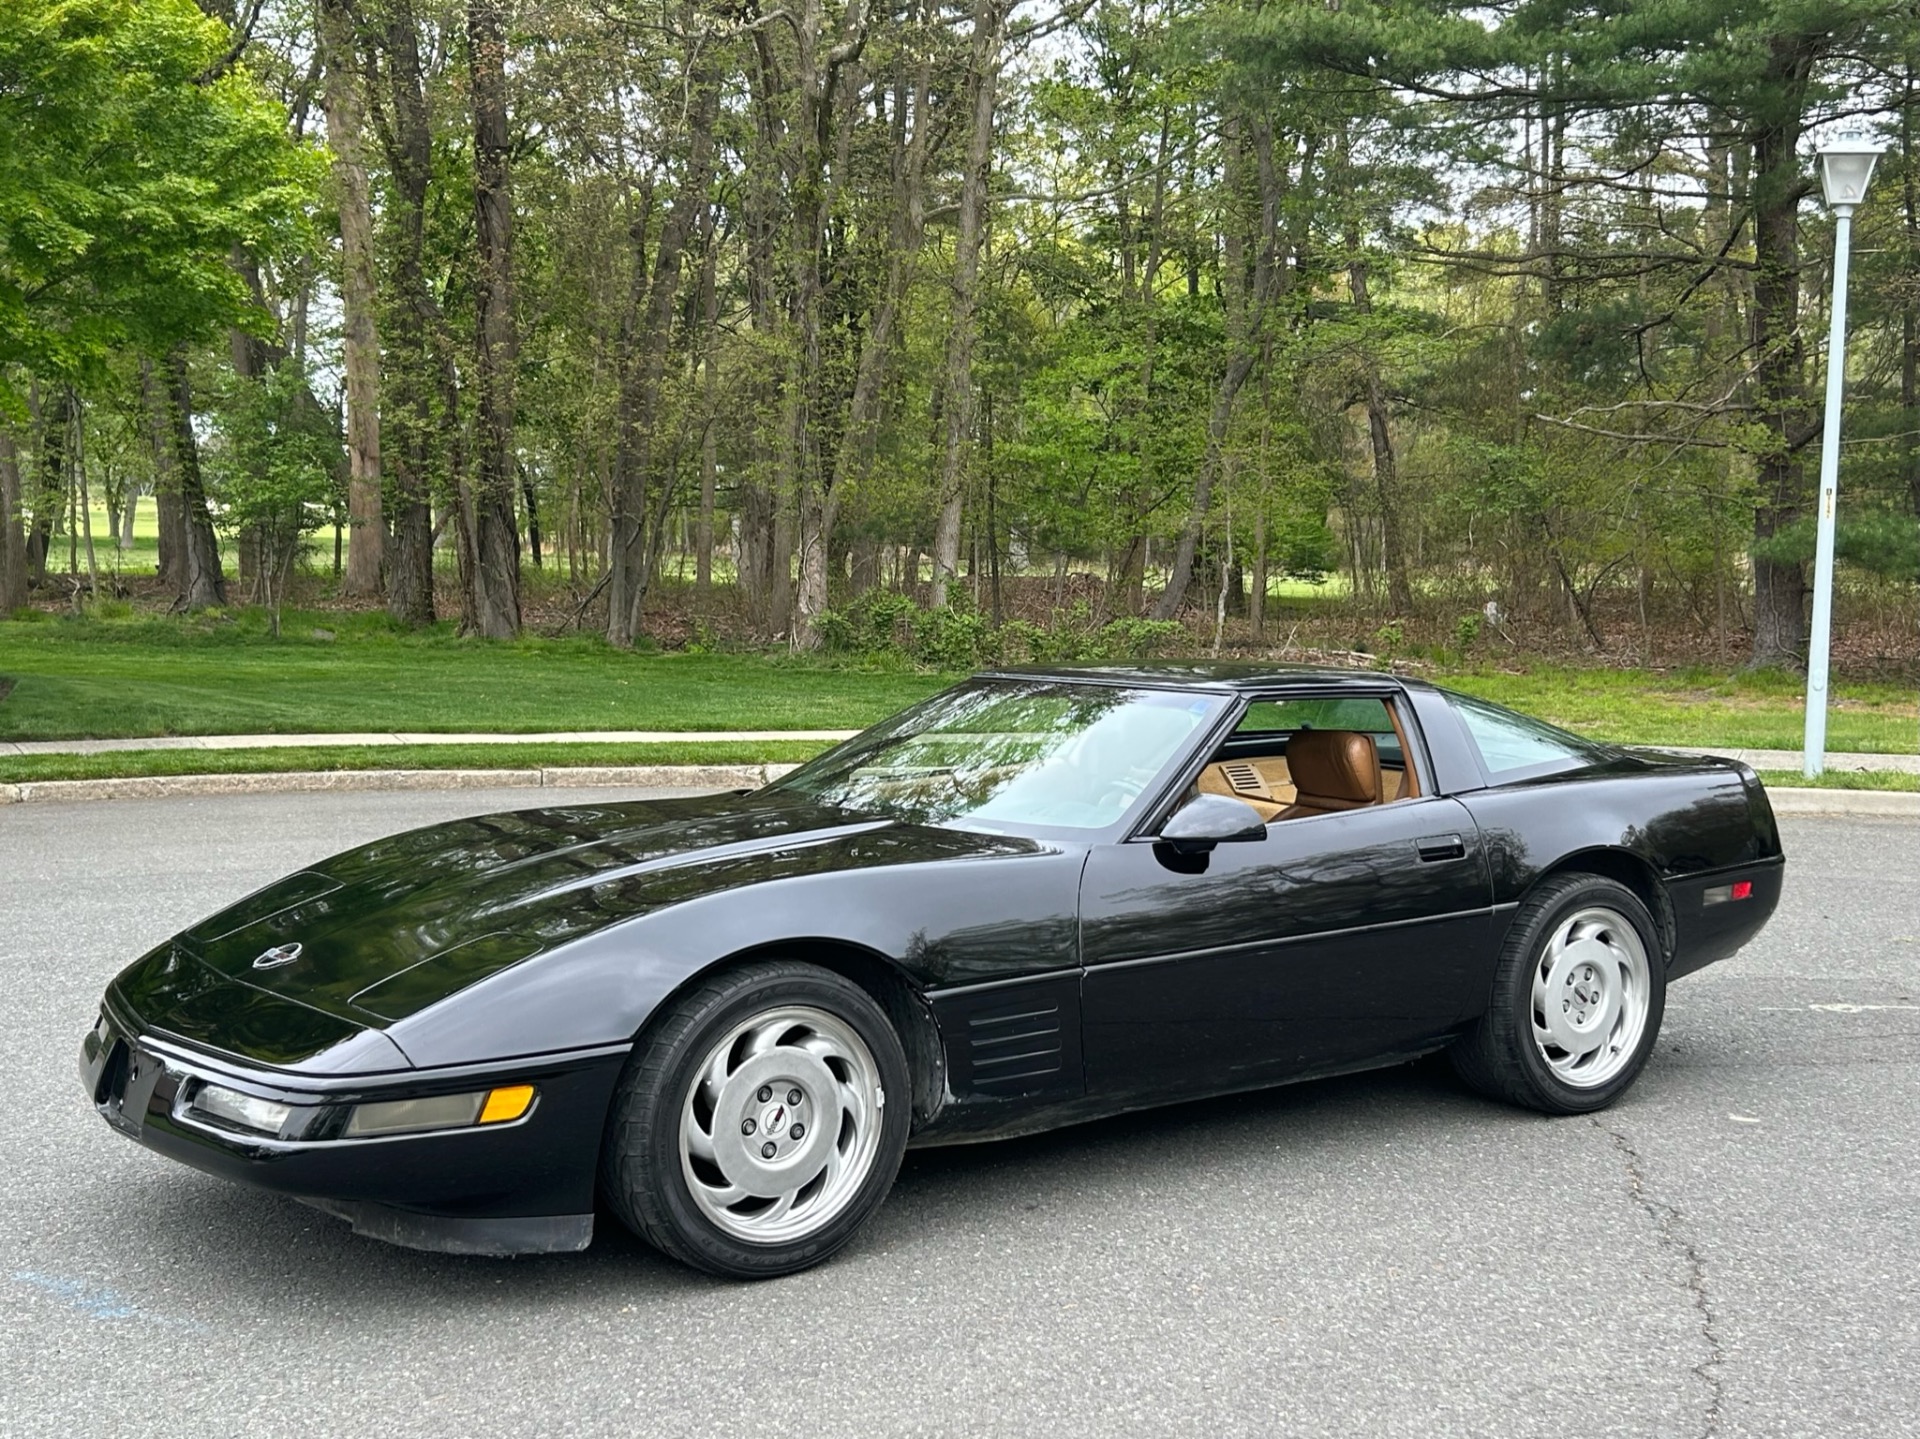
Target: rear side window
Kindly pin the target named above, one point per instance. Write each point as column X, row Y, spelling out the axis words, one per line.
column 1509, row 742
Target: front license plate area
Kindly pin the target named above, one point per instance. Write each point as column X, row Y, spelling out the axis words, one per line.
column 127, row 1086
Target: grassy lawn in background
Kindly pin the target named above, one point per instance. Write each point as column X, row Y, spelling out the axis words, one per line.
column 23, row 769
column 333, row 673
column 95, row 678
column 1842, row 779
column 1700, row 708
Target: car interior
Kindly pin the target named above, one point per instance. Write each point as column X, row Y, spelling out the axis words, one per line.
column 1298, row 758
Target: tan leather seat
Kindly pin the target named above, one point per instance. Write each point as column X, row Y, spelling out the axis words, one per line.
column 1333, row 770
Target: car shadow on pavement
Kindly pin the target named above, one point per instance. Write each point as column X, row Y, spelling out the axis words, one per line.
column 242, row 1239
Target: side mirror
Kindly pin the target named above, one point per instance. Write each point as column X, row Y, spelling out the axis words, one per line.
column 1210, row 819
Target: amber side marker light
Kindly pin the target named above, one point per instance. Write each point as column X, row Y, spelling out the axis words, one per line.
column 506, row 1104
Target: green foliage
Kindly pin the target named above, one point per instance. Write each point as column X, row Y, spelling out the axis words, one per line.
column 130, row 172
column 1881, row 544
column 881, row 622
column 878, row 622
column 276, row 468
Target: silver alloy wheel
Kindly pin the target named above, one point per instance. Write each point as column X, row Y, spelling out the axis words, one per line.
column 1591, row 989
column 780, row 1127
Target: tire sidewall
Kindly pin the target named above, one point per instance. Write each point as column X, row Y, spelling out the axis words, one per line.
column 726, row 1253
column 1585, row 893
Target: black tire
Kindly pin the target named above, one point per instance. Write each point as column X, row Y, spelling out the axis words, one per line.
column 640, row 1169
column 1499, row 1056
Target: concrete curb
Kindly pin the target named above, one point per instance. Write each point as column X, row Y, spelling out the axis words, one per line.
column 1899, row 804
column 644, row 776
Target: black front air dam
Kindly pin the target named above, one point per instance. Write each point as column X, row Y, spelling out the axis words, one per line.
column 523, row 1187
column 490, row 1238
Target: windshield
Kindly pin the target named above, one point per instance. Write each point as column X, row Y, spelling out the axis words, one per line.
column 1010, row 753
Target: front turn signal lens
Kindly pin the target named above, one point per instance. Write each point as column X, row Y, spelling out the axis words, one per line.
column 410, row 1116
column 507, row 1104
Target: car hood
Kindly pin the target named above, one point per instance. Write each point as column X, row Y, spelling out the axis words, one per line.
column 378, row 933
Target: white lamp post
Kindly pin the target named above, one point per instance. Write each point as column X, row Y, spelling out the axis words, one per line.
column 1846, row 165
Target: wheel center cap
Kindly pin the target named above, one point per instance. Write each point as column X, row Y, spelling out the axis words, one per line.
column 1589, row 1005
column 773, row 1119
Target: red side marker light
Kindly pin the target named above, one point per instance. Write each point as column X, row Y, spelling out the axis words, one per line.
column 1721, row 893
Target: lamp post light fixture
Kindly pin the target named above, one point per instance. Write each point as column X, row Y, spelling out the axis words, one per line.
column 1846, row 166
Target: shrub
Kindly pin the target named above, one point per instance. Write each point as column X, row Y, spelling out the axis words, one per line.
column 957, row 637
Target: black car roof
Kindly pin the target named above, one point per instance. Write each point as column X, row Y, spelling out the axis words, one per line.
column 1209, row 675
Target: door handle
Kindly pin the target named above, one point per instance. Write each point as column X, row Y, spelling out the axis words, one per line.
column 1434, row 848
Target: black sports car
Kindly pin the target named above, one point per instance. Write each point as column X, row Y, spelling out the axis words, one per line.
column 1036, row 898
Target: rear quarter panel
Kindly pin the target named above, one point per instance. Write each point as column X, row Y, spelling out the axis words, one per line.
column 1692, row 824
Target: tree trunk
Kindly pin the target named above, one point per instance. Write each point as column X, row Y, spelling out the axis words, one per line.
column 756, row 500
column 817, row 104
column 644, row 365
column 780, row 592
column 1910, row 302
column 205, row 586
column 367, row 533
column 1386, row 473
column 1246, row 320
column 1779, row 589
column 1257, row 602
column 408, row 361
column 709, row 407
column 50, row 490
column 496, row 537
column 170, row 516
column 989, row 17
column 859, row 435
column 13, row 538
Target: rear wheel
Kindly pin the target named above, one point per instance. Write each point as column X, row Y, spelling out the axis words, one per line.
column 1577, row 1000
column 752, row 1134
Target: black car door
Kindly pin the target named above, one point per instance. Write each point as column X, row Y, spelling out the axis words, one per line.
column 1336, row 939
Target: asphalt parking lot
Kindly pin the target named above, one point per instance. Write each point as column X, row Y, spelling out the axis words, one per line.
column 1733, row 1250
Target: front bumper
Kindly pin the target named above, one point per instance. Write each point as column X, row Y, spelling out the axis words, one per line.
column 515, row 1188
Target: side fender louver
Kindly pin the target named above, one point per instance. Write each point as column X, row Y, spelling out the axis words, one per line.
column 1021, row 1039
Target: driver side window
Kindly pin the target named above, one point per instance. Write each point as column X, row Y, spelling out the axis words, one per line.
column 1297, row 757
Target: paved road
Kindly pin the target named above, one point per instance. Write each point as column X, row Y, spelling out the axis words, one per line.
column 1732, row 1250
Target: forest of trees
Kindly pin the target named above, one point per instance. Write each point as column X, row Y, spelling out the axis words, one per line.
column 986, row 302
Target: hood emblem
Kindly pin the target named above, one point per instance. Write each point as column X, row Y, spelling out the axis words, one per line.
column 280, row 954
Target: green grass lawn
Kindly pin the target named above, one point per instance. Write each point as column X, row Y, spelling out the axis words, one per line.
column 1842, row 779
column 94, row 678
column 132, row 678
column 1701, row 708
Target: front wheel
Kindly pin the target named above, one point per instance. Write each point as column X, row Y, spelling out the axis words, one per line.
column 753, row 1134
column 1577, row 1000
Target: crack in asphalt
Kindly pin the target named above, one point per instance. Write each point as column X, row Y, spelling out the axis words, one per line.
column 1670, row 1223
